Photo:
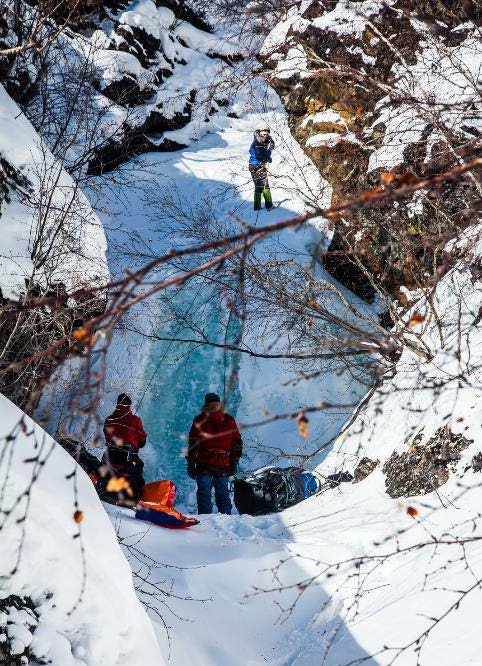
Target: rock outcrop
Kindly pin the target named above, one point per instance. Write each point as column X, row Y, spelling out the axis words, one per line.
column 364, row 468
column 141, row 71
column 426, row 465
column 378, row 93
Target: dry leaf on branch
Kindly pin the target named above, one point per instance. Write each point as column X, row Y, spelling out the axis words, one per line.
column 416, row 318
column 118, row 483
column 303, row 427
column 387, row 177
column 78, row 517
column 84, row 335
column 406, row 179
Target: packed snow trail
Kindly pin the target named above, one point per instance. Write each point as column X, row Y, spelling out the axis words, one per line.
column 170, row 378
column 216, row 617
column 240, row 594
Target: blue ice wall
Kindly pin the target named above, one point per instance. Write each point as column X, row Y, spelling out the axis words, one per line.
column 176, row 377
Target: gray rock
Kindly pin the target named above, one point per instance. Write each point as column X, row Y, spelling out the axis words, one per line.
column 364, row 468
column 424, row 467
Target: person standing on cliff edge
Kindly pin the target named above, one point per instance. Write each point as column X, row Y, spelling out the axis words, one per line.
column 259, row 156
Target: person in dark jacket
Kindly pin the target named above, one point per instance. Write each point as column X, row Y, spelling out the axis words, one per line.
column 215, row 447
column 259, row 156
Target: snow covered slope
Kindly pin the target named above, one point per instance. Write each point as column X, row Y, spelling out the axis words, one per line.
column 443, row 390
column 83, row 609
column 313, row 586
column 50, row 234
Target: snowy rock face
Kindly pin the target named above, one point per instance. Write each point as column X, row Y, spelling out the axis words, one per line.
column 424, row 423
column 141, row 71
column 375, row 90
column 52, row 243
column 156, row 66
column 51, row 235
column 66, row 592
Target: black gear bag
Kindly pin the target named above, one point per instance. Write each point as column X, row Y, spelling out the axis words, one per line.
column 273, row 489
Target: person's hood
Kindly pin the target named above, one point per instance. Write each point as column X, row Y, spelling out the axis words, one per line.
column 120, row 411
column 269, row 143
column 215, row 416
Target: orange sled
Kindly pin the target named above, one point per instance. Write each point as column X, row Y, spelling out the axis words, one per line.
column 157, row 506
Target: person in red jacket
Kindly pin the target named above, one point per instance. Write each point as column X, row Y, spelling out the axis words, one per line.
column 215, row 447
column 124, row 436
column 124, row 425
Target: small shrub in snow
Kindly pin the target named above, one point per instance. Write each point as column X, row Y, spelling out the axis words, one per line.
column 18, row 621
column 11, row 179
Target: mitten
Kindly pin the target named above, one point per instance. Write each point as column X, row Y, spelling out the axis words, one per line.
column 191, row 469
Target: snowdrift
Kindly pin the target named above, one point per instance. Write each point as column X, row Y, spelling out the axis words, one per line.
column 63, row 552
column 50, row 234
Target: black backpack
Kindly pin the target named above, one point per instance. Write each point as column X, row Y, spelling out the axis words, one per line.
column 89, row 463
column 273, row 489
column 268, row 490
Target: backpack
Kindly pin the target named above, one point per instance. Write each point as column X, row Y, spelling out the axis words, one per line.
column 272, row 489
column 89, row 463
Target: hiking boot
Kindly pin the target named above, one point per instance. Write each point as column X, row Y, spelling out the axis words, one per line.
column 268, row 201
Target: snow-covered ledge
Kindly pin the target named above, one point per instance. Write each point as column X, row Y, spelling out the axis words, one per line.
column 68, row 564
column 54, row 218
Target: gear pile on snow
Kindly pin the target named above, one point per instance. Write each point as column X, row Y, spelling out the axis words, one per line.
column 272, row 489
column 153, row 502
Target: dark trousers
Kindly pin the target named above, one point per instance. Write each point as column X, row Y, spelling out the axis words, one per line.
column 205, row 483
column 259, row 174
column 122, row 461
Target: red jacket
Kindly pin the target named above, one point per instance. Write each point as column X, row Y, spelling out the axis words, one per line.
column 125, row 425
column 214, row 442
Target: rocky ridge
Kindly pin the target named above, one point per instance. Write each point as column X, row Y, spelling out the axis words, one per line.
column 378, row 93
column 141, row 71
